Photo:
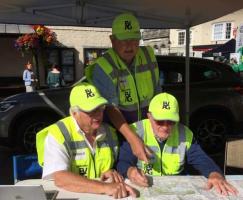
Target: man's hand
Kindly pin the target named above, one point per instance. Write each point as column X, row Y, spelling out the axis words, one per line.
column 112, row 176
column 137, row 176
column 120, row 190
column 139, row 149
column 217, row 181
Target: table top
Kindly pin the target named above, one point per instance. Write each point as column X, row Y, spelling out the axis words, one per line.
column 163, row 188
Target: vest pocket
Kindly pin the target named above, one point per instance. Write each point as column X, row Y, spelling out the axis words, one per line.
column 104, row 160
column 171, row 164
column 145, row 85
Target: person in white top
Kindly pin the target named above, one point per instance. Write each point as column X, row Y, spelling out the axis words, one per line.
column 85, row 123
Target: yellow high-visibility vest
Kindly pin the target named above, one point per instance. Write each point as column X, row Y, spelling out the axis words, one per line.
column 134, row 92
column 172, row 159
column 83, row 162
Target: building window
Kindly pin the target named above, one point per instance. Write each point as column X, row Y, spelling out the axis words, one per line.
column 181, row 37
column 222, row 31
column 228, row 31
column 90, row 54
column 65, row 59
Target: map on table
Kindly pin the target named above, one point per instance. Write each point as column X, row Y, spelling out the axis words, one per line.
column 184, row 188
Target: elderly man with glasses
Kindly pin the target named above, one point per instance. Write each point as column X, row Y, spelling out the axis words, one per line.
column 79, row 149
column 173, row 146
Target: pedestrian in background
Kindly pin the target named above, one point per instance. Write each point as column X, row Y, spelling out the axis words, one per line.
column 54, row 77
column 29, row 78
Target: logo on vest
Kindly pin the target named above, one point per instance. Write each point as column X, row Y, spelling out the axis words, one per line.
column 83, row 171
column 148, row 169
column 128, row 25
column 128, row 97
column 123, row 83
column 80, row 155
column 166, row 105
column 89, row 93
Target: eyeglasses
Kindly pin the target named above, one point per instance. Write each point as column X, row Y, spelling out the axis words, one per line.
column 165, row 123
column 96, row 111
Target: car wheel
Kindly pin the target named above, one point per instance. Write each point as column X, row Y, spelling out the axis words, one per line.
column 26, row 134
column 210, row 131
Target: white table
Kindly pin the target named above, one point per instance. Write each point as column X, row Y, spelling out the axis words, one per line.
column 163, row 188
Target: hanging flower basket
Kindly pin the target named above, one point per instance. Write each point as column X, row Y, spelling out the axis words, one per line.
column 31, row 42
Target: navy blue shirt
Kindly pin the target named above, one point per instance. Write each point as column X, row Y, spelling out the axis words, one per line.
column 195, row 156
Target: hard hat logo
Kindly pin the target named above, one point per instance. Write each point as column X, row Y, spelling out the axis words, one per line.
column 89, row 93
column 128, row 25
column 166, row 105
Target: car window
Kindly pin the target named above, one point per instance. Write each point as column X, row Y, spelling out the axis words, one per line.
column 171, row 72
column 210, row 75
column 203, row 73
column 174, row 72
column 172, row 77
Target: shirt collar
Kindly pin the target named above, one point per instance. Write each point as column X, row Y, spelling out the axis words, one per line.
column 100, row 135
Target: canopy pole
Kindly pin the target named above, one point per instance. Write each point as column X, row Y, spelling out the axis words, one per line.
column 187, row 81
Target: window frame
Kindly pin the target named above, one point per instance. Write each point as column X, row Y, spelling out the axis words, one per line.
column 184, row 32
column 88, row 51
column 184, row 38
column 223, row 31
column 64, row 57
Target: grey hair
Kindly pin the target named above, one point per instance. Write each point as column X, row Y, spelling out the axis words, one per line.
column 74, row 109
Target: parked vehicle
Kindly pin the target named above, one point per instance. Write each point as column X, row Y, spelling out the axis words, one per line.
column 216, row 104
column 216, row 98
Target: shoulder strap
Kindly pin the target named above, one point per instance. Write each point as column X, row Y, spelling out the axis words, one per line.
column 40, row 140
column 66, row 136
column 140, row 129
column 150, row 63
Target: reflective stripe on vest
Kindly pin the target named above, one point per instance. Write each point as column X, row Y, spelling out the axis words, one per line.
column 73, row 145
column 181, row 149
column 150, row 65
column 111, row 142
column 119, row 74
column 169, row 152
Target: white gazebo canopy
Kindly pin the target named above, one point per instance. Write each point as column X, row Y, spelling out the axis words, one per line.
column 99, row 13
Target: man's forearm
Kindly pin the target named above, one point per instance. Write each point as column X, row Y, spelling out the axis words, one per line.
column 138, row 147
column 75, row 183
column 201, row 161
column 126, row 159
